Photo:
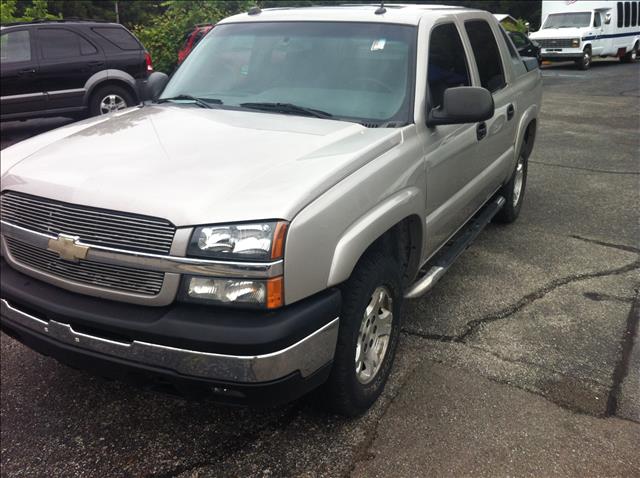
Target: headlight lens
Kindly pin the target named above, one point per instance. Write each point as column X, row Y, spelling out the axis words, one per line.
column 257, row 293
column 257, row 241
column 575, row 42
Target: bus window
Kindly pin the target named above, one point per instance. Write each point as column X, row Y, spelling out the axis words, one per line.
column 620, row 15
column 627, row 14
column 634, row 14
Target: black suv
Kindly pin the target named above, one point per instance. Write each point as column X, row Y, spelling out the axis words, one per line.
column 69, row 68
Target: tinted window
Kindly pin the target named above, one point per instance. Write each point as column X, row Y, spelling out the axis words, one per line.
column 58, row 43
column 519, row 40
column 119, row 37
column 486, row 53
column 15, row 47
column 627, row 14
column 447, row 62
column 620, row 14
column 596, row 20
column 634, row 14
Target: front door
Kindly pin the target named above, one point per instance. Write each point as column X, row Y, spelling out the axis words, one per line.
column 20, row 90
column 451, row 154
column 67, row 61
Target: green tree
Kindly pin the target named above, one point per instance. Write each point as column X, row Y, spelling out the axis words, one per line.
column 11, row 11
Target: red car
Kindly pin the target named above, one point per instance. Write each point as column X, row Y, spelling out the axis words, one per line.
column 192, row 38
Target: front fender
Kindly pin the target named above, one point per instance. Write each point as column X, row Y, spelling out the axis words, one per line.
column 361, row 234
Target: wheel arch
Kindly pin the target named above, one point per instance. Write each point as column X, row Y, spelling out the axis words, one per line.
column 110, row 77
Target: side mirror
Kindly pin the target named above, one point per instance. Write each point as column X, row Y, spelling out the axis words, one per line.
column 607, row 18
column 155, row 84
column 462, row 104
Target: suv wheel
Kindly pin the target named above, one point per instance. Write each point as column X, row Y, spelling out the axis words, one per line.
column 584, row 63
column 631, row 56
column 108, row 99
column 368, row 336
column 513, row 191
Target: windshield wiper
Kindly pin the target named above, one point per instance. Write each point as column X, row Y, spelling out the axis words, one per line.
column 287, row 108
column 203, row 102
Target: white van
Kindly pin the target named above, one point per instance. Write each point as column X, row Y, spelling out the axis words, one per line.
column 579, row 30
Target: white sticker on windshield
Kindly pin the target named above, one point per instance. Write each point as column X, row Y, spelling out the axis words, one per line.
column 378, row 44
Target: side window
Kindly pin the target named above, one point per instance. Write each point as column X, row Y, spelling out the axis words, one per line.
column 447, row 62
column 119, row 37
column 634, row 14
column 15, row 47
column 56, row 43
column 627, row 14
column 620, row 14
column 519, row 40
column 486, row 53
column 596, row 19
column 516, row 62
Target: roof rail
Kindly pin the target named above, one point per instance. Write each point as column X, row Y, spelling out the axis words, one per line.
column 56, row 20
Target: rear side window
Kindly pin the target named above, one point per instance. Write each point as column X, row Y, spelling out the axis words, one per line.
column 56, row 43
column 486, row 53
column 518, row 39
column 634, row 14
column 516, row 62
column 620, row 14
column 447, row 62
column 15, row 47
column 627, row 14
column 119, row 37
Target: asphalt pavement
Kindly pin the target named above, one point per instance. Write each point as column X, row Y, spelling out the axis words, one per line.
column 523, row 361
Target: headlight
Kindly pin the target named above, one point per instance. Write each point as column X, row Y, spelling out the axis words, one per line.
column 575, row 43
column 257, row 241
column 242, row 292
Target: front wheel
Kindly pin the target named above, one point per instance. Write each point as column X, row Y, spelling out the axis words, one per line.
column 584, row 63
column 368, row 336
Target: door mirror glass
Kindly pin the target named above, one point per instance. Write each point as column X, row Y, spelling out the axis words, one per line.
column 155, row 85
column 463, row 104
column 607, row 18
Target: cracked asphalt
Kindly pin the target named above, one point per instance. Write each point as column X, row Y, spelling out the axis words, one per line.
column 524, row 360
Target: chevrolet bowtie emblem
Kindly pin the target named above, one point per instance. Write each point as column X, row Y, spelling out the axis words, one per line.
column 68, row 248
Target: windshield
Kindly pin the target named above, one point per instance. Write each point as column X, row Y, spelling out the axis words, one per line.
column 567, row 20
column 353, row 71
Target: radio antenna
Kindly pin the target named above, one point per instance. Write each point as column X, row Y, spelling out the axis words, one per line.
column 381, row 9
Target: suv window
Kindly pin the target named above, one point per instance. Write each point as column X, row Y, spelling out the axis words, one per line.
column 58, row 43
column 486, row 53
column 519, row 39
column 15, row 47
column 119, row 37
column 447, row 62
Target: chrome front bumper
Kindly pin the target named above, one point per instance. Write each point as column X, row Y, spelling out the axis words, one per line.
column 305, row 356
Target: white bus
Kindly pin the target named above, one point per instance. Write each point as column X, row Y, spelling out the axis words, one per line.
column 580, row 30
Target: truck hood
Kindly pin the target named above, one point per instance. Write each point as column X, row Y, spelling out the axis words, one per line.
column 549, row 33
column 192, row 165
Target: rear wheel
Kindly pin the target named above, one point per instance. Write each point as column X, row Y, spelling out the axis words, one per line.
column 368, row 337
column 631, row 56
column 584, row 63
column 110, row 98
column 513, row 191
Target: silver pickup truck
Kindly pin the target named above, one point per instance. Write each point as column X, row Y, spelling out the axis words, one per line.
column 253, row 232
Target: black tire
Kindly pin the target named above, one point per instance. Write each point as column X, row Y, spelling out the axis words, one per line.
column 511, row 209
column 105, row 91
column 584, row 63
column 632, row 56
column 343, row 392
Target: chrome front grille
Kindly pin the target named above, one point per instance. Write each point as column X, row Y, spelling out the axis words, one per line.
column 94, row 226
column 125, row 279
column 555, row 43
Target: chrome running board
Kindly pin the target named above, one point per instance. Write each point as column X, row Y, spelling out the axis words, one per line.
column 442, row 261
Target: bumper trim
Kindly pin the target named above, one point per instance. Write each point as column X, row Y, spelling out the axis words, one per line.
column 305, row 356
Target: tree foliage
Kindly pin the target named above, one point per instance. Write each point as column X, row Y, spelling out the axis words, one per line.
column 11, row 11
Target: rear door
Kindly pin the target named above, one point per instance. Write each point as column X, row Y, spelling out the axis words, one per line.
column 495, row 151
column 20, row 87
column 67, row 61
